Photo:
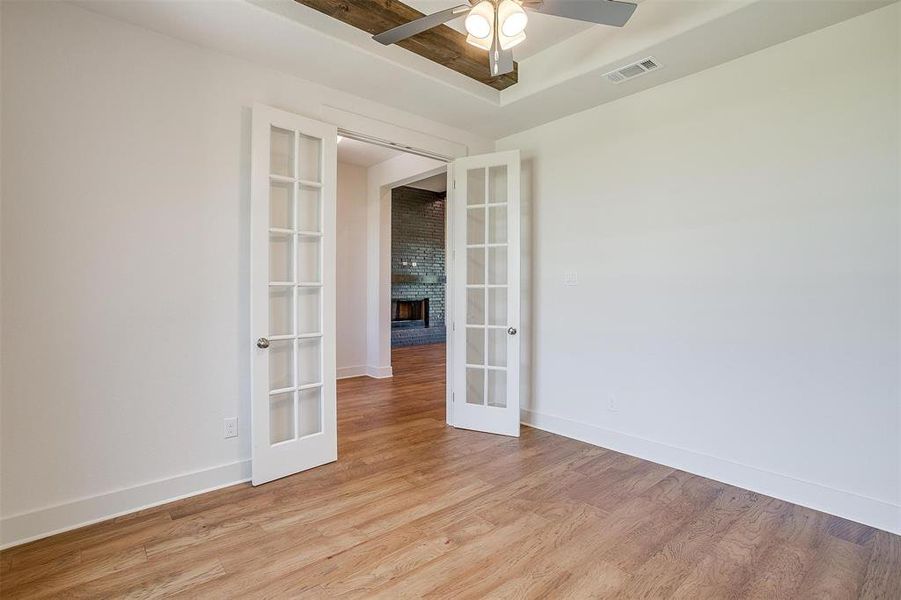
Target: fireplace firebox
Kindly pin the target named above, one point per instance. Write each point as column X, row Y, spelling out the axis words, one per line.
column 407, row 311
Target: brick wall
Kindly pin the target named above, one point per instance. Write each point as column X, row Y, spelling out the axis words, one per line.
column 417, row 235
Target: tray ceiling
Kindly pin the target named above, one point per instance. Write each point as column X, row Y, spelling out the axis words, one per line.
column 555, row 80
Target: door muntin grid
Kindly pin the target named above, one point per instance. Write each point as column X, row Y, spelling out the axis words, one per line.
column 295, row 286
column 487, row 309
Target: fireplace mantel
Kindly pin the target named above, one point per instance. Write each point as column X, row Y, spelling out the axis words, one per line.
column 410, row 278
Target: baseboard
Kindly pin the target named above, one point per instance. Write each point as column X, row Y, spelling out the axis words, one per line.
column 32, row 525
column 365, row 371
column 869, row 511
column 380, row 372
column 348, row 372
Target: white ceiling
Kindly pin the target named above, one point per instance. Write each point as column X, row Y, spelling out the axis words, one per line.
column 435, row 183
column 362, row 154
column 555, row 79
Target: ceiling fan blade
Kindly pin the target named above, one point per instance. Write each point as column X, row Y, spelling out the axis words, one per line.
column 605, row 12
column 402, row 32
column 499, row 61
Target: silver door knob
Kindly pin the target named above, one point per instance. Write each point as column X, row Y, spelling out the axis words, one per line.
column 262, row 343
column 511, row 330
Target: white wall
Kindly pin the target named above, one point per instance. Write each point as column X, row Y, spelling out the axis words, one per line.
column 736, row 238
column 352, row 287
column 125, row 250
column 1, row 256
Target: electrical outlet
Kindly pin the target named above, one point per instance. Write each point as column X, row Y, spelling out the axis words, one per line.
column 231, row 427
column 612, row 404
column 570, row 278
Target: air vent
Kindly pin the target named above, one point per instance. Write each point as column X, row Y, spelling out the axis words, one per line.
column 633, row 70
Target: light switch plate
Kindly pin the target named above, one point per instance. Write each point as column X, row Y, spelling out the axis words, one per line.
column 570, row 278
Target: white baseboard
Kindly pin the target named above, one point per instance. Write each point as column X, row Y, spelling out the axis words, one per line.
column 28, row 526
column 380, row 372
column 364, row 371
column 35, row 524
column 869, row 511
column 348, row 372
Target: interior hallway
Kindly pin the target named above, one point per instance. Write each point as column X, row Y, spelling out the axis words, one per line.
column 414, row 508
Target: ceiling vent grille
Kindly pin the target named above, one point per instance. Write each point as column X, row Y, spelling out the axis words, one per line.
column 633, row 70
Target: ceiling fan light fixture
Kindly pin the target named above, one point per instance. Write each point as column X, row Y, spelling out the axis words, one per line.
column 479, row 22
column 508, row 42
column 484, row 44
column 512, row 18
column 499, row 25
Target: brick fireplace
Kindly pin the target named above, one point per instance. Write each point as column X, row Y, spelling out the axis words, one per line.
column 417, row 267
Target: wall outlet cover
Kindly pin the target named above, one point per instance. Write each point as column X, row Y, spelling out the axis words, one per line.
column 612, row 404
column 231, row 427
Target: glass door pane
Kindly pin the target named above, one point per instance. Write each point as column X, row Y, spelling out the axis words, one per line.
column 486, row 286
column 295, row 285
column 281, row 152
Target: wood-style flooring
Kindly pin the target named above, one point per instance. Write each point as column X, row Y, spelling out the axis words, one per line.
column 415, row 509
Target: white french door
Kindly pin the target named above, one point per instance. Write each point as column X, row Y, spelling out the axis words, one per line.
column 293, row 181
column 486, row 292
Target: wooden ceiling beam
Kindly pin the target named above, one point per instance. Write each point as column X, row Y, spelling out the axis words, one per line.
column 441, row 44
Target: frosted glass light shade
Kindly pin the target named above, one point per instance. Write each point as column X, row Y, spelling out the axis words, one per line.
column 479, row 22
column 512, row 18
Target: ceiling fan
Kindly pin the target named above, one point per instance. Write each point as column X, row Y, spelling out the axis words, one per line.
column 499, row 25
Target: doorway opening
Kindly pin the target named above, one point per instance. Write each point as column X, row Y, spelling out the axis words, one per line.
column 392, row 267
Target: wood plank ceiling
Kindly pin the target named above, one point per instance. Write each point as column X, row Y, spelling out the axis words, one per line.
column 441, row 44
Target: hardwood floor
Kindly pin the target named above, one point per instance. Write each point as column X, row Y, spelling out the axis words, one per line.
column 414, row 508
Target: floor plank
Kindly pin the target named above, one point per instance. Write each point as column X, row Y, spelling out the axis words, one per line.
column 416, row 509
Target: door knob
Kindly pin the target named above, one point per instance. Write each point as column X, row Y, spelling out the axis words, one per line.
column 262, row 343
column 511, row 330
